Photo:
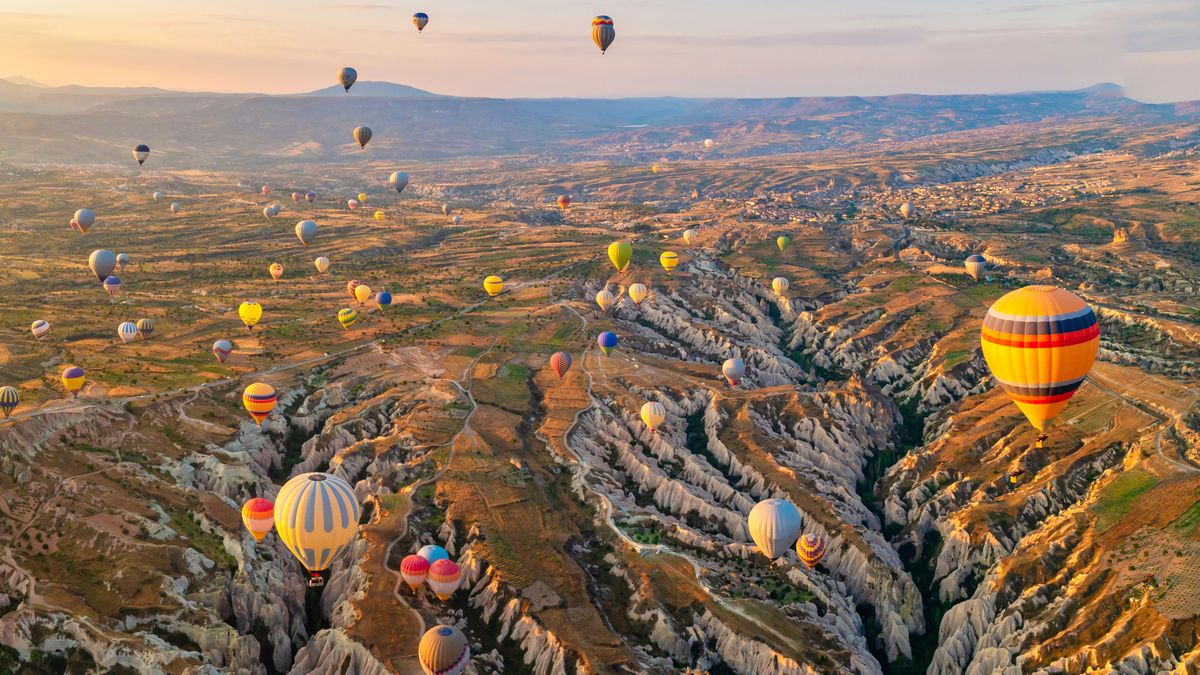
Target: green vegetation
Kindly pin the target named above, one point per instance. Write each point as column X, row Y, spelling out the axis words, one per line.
column 1117, row 498
column 1187, row 521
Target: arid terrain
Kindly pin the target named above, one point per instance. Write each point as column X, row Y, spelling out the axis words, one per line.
column 588, row 543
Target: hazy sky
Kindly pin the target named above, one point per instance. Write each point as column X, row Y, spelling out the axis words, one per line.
column 663, row 47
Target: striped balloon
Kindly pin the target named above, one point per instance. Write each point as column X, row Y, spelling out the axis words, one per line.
column 127, row 331
column 10, row 398
column 347, row 317
column 222, row 349
column 316, row 515
column 669, row 260
column 444, row 577
column 607, row 341
column 258, row 515
column 259, row 399
column 72, row 379
column 493, row 285
column 145, row 328
column 112, row 285
column 561, row 363
column 414, row 569
column 603, row 33
column 40, row 328
column 811, row 548
column 975, row 264
column 1040, row 343
column 444, row 650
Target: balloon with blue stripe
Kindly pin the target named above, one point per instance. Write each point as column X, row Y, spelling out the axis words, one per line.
column 316, row 516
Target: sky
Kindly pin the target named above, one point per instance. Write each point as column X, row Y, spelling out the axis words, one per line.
column 542, row 48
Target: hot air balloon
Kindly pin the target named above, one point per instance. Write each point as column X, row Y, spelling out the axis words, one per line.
column 446, row 209
column 362, row 293
column 84, row 218
column 351, row 285
column 669, row 260
column 362, row 198
column 494, row 285
column 276, row 271
column 654, row 169
column 444, row 577
column 316, row 516
column 444, row 650
column 564, row 201
column 383, row 300
column 414, row 569
column 653, row 414
column 782, row 242
column 433, row 553
column 40, row 328
column 637, row 293
column 603, row 33
column 265, row 190
column 362, row 135
column 259, row 399
column 157, row 196
column 398, row 180
column 122, row 261
column 352, row 203
column 306, row 231
column 10, row 398
column 112, row 285
column 102, row 263
column 296, row 197
column 976, row 265
column 733, row 370
column 72, row 379
column 620, row 253
column 780, row 285
column 708, row 143
column 145, row 328
column 457, row 219
column 310, row 197
column 420, row 20
column 258, row 515
column 1039, row 343
column 810, row 548
column 176, row 207
column 607, row 341
column 347, row 317
column 689, row 236
column 268, row 212
column 605, row 299
column 322, row 264
column 561, row 363
column 774, row 525
column 141, row 152
column 907, row 210
column 346, row 77
column 250, row 312
column 222, row 349
column 380, row 216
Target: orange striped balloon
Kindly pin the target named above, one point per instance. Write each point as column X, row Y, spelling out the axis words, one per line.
column 258, row 515
column 810, row 548
column 259, row 399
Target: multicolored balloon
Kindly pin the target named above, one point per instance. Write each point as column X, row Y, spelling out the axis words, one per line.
column 782, row 242
column 310, row 197
column 444, row 650
column 637, row 293
column 347, row 77
column 414, row 569
column 347, row 317
column 112, row 285
column 444, row 578
column 383, row 300
column 145, row 328
column 222, row 349
column 607, row 341
column 141, row 152
column 40, row 328
column 258, row 515
column 976, row 265
column 276, row 271
column 560, row 362
column 420, row 20
column 127, row 331
column 316, row 516
column 811, row 549
column 653, row 415
column 259, row 399
column 362, row 135
column 603, row 32
column 564, row 201
column 72, row 379
column 10, row 398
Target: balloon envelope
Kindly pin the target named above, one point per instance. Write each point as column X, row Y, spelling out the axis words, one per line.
column 414, row 569
column 653, row 414
column 810, row 548
column 40, row 328
column 444, row 577
column 638, row 292
column 102, row 263
column 774, row 525
column 420, row 20
column 494, row 285
column 222, row 349
column 72, row 379
column 733, row 370
column 669, row 260
column 347, row 317
column 347, row 77
column 84, row 218
column 145, row 328
column 603, row 33
column 620, row 253
column 444, row 650
column 250, row 312
column 316, row 515
column 398, row 180
column 976, row 265
column 10, row 398
column 322, row 264
column 782, row 242
column 259, row 400
column 127, row 331
column 141, row 152
column 561, row 363
column 605, row 299
column 433, row 553
column 306, row 231
column 362, row 135
column 607, row 341
column 258, row 515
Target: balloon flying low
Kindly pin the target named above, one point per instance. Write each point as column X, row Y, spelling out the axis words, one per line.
column 362, row 293
column 811, row 549
column 605, row 299
column 976, row 265
column 250, row 312
column 72, row 379
column 362, row 135
column 444, row 578
column 780, row 285
column 10, row 398
column 494, row 285
column 222, row 349
column 40, row 328
column 561, row 363
column 607, row 342
column 316, row 516
column 306, row 231
column 774, row 525
column 276, row 271
column 145, row 328
column 444, row 650
column 620, row 253
column 258, row 515
column 322, row 264
column 733, row 370
column 347, row 317
column 398, row 180
column 414, row 569
column 653, row 414
column 669, row 260
column 127, row 331
column 102, row 263
column 259, row 399
column 140, row 153
column 638, row 293
column 782, row 242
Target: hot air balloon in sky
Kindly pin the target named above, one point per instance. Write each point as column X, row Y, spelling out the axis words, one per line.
column 352, row 203
column 444, row 650
column 112, row 285
column 414, row 569
column 268, row 212
column 322, row 264
column 420, row 20
column 265, row 190
column 907, row 210
column 40, row 328
column 84, row 219
column 363, row 293
column 976, row 265
column 780, row 285
column 306, row 231
column 296, row 197
column 433, row 553
column 708, row 144
column 443, row 578
column 380, row 216
column 347, row 317
column 141, row 152
column 102, row 263
column 605, row 299
column 157, row 196
column 222, row 349
column 145, row 328
column 774, row 525
column 258, row 515
column 362, row 135
column 362, row 198
column 689, row 236
column 782, row 242
column 655, row 169
column 603, row 33
column 310, row 196
column 637, row 293
column 457, row 219
column 669, row 260
column 122, row 261
column 383, row 300
column 316, row 516
column 72, row 379
column 447, row 209
column 653, row 414
column 607, row 341
column 127, row 331
column 620, row 253
column 398, row 180
column 1039, row 343
column 810, row 548
column 347, row 77
column 250, row 312
column 10, row 398
column 564, row 201
column 259, row 399
column 276, row 271
column 560, row 362
column 494, row 285
column 733, row 370
column 351, row 285
column 176, row 207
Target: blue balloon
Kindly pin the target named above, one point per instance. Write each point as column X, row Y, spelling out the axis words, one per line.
column 383, row 299
column 607, row 341
column 433, row 553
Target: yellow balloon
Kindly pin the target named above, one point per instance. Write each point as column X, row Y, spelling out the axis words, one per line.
column 259, row 399
column 669, row 260
column 380, row 216
column 653, row 414
column 494, row 285
column 316, row 516
column 276, row 271
column 362, row 197
column 638, row 292
column 362, row 293
column 347, row 317
column 250, row 313
column 605, row 299
column 620, row 253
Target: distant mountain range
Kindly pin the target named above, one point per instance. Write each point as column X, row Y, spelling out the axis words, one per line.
column 204, row 130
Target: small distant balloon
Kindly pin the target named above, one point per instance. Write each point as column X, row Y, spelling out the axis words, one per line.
column 222, row 349
column 362, row 135
column 420, row 20
column 398, row 180
column 560, row 362
column 140, row 153
column 322, row 264
column 127, row 331
column 347, row 77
